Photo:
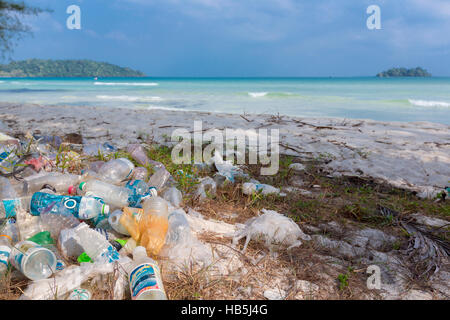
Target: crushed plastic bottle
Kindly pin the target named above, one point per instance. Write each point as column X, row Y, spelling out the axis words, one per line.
column 32, row 260
column 111, row 194
column 174, row 196
column 116, row 170
column 159, row 179
column 95, row 245
column 8, row 158
column 149, row 225
column 81, row 207
column 138, row 153
column 179, row 229
column 96, row 148
column 206, row 185
column 144, row 277
column 248, row 188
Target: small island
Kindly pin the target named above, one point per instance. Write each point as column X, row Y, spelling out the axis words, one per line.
column 403, row 72
column 65, row 69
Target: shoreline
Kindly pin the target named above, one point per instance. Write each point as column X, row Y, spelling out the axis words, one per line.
column 409, row 155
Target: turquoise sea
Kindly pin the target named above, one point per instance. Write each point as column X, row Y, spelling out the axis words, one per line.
column 396, row 99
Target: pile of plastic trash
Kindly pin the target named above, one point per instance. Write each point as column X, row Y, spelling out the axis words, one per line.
column 60, row 230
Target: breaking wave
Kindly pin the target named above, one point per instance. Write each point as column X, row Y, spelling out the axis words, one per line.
column 147, row 84
column 426, row 103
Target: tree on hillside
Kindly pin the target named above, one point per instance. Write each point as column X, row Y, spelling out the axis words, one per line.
column 11, row 26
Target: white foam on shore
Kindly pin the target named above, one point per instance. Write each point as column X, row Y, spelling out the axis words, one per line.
column 129, row 98
column 257, row 94
column 426, row 103
column 147, row 84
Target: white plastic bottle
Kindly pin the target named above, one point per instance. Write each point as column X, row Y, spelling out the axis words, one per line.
column 95, row 244
column 144, row 277
column 114, row 195
column 5, row 252
column 62, row 182
column 116, row 170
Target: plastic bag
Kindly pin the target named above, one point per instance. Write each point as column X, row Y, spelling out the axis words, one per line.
column 273, row 228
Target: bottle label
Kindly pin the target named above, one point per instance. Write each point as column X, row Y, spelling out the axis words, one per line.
column 110, row 255
column 5, row 252
column 19, row 252
column 145, row 277
column 10, row 207
column 44, row 202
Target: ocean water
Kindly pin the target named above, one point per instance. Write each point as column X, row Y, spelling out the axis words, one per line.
column 398, row 99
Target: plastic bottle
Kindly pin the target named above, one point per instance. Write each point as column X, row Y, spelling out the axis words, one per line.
column 5, row 252
column 139, row 190
column 140, row 173
column 114, row 222
column 144, row 277
column 8, row 158
column 148, row 226
column 81, row 207
column 114, row 195
column 249, row 188
column 9, row 199
column 33, row 260
column 138, row 153
column 154, row 224
column 174, row 196
column 55, row 222
column 11, row 230
column 116, row 170
column 80, row 294
column 159, row 179
column 63, row 183
column 95, row 245
column 179, row 228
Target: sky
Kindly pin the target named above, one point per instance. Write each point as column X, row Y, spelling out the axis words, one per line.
column 245, row 38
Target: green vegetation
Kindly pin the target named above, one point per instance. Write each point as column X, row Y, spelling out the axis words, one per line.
column 65, row 68
column 11, row 28
column 403, row 72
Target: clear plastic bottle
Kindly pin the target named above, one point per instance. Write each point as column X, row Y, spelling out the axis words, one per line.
column 114, row 195
column 95, row 245
column 114, row 222
column 5, row 252
column 139, row 191
column 81, row 207
column 174, row 196
column 8, row 158
column 9, row 199
column 144, row 277
column 116, row 170
column 265, row 189
column 159, row 179
column 154, row 224
column 33, row 260
column 179, row 229
column 62, row 182
column 140, row 173
column 148, row 226
column 138, row 153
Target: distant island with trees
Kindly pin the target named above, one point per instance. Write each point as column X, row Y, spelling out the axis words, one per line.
column 64, row 68
column 403, row 72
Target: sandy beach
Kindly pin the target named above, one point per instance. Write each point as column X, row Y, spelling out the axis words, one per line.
column 414, row 156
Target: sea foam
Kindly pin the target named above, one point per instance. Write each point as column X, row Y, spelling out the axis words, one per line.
column 149, row 84
column 129, row 98
column 257, row 94
column 426, row 103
